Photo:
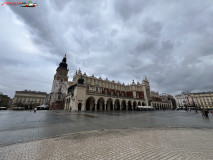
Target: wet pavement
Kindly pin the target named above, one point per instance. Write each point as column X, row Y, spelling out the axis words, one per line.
column 125, row 144
column 24, row 126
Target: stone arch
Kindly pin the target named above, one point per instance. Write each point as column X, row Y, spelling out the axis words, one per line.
column 109, row 104
column 139, row 103
column 129, row 105
column 123, row 105
column 90, row 104
column 117, row 105
column 79, row 106
column 134, row 105
column 100, row 104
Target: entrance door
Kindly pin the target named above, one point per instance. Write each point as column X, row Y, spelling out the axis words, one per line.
column 79, row 106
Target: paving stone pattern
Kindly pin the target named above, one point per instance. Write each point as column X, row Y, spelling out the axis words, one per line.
column 126, row 144
column 24, row 126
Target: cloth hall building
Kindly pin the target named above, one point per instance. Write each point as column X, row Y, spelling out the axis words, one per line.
column 89, row 93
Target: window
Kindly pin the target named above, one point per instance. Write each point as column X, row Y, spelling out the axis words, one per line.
column 62, row 72
column 62, row 80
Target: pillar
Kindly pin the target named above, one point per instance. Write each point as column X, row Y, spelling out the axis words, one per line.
column 95, row 105
column 105, row 105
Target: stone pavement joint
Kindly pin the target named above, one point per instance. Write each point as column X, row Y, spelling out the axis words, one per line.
column 168, row 143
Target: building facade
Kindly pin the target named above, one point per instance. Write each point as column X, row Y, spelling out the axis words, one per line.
column 169, row 97
column 59, row 86
column 4, row 100
column 190, row 100
column 160, row 102
column 195, row 100
column 202, row 99
column 89, row 93
column 181, row 100
column 29, row 99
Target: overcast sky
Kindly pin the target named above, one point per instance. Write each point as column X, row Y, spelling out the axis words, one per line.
column 169, row 41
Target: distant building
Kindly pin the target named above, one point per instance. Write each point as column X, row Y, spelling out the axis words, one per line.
column 4, row 100
column 202, row 99
column 59, row 86
column 89, row 93
column 169, row 97
column 199, row 100
column 181, row 100
column 160, row 102
column 28, row 99
column 190, row 100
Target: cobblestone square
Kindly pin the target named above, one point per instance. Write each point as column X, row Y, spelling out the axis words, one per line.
column 105, row 135
column 118, row 144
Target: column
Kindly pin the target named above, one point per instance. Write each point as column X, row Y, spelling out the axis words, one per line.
column 83, row 107
column 127, row 106
column 113, row 106
column 95, row 105
column 120, row 106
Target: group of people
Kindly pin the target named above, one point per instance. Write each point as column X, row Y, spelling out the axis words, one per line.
column 205, row 113
column 35, row 109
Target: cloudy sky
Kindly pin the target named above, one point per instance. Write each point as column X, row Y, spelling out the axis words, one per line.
column 169, row 41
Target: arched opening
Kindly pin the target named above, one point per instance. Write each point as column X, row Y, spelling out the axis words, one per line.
column 100, row 104
column 109, row 104
column 90, row 104
column 79, row 106
column 117, row 104
column 143, row 104
column 139, row 103
column 134, row 105
column 129, row 105
column 123, row 105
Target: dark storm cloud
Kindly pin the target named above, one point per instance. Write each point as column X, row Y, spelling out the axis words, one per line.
column 168, row 41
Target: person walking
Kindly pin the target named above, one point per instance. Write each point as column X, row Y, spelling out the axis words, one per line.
column 206, row 113
column 35, row 110
column 203, row 113
column 211, row 111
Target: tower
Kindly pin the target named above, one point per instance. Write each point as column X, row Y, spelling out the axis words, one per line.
column 146, row 89
column 59, row 86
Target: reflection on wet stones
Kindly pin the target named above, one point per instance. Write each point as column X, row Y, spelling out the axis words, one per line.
column 90, row 116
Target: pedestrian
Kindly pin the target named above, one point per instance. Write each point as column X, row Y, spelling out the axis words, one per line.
column 211, row 112
column 206, row 113
column 203, row 113
column 35, row 110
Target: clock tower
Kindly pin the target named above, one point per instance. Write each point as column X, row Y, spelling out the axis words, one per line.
column 59, row 86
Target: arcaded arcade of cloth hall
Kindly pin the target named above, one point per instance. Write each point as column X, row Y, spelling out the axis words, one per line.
column 89, row 93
